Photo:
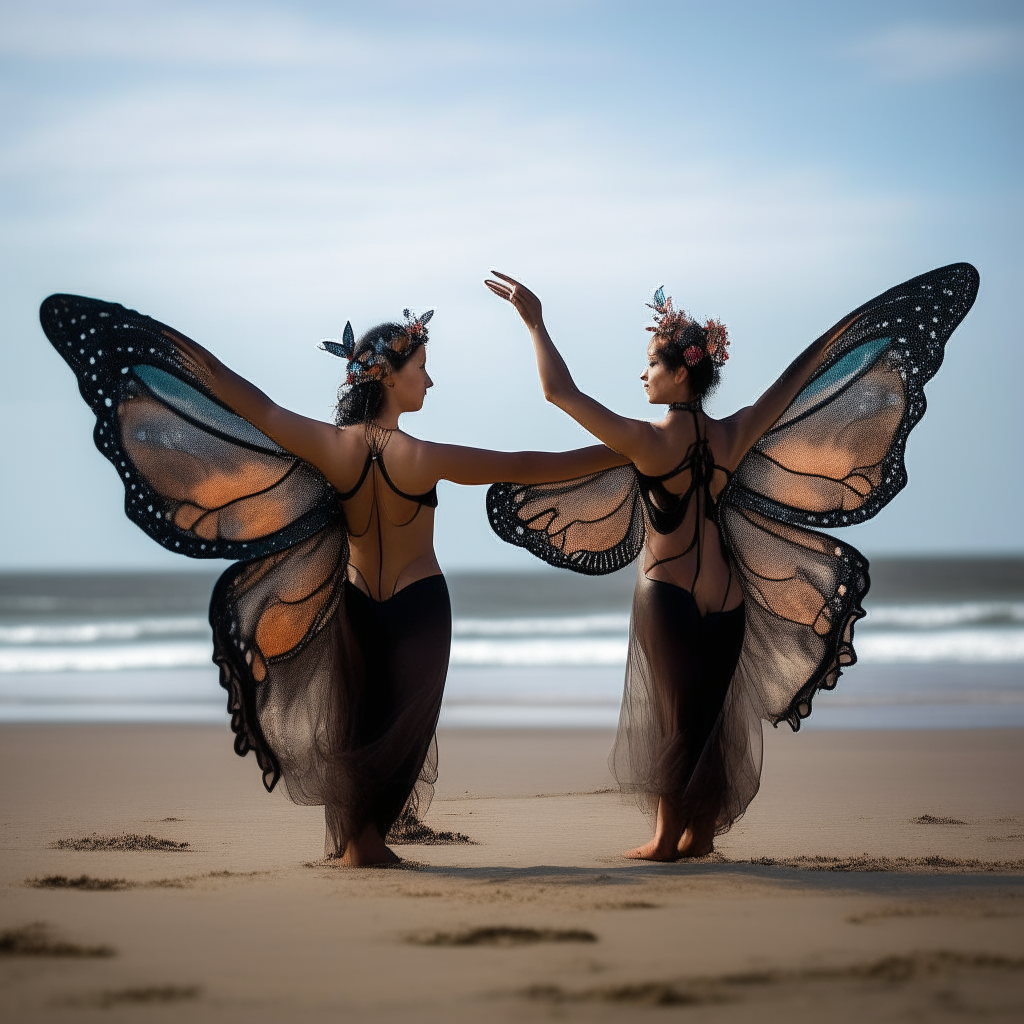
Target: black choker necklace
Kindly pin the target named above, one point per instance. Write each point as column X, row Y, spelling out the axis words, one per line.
column 693, row 406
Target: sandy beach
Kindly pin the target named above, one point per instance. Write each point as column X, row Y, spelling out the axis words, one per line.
column 920, row 913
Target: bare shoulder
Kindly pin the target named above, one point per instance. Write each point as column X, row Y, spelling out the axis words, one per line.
column 663, row 443
column 414, row 460
column 347, row 453
column 730, row 437
column 350, row 440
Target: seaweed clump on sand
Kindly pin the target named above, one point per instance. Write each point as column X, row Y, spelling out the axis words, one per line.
column 502, row 936
column 866, row 862
column 147, row 995
column 125, row 842
column 84, row 882
column 35, row 940
column 728, row 988
column 410, row 831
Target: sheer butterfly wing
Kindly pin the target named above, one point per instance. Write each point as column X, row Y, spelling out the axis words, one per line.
column 592, row 525
column 277, row 635
column 198, row 479
column 834, row 458
column 802, row 596
column 204, row 482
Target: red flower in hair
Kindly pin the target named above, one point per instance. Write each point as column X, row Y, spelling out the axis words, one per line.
column 693, row 355
column 718, row 341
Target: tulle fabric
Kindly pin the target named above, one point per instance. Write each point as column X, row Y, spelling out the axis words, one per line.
column 676, row 740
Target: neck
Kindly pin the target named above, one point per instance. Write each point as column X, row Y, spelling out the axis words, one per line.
column 388, row 415
column 689, row 406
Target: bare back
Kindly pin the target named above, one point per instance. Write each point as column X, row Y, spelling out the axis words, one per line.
column 683, row 546
column 391, row 530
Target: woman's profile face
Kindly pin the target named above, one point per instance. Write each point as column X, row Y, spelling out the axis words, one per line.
column 409, row 384
column 663, row 386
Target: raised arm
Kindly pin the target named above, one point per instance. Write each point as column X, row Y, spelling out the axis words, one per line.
column 309, row 439
column 633, row 438
column 752, row 422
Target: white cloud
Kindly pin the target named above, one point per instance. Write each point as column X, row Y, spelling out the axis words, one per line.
column 927, row 52
column 227, row 36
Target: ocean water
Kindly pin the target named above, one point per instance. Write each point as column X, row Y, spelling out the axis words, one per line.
column 942, row 646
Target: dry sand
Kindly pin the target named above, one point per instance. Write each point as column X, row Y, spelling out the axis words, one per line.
column 919, row 915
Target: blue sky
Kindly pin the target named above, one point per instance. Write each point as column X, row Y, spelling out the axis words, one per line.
column 258, row 173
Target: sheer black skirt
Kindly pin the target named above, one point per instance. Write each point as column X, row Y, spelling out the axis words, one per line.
column 675, row 736
column 384, row 754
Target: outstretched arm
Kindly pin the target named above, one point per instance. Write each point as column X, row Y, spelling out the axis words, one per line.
column 629, row 436
column 480, row 466
column 309, row 439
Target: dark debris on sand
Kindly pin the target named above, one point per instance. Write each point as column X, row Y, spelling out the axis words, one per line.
column 727, row 988
column 502, row 936
column 931, row 819
column 866, row 862
column 83, row 882
column 35, row 940
column 87, row 883
column 148, row 995
column 410, row 831
column 125, row 842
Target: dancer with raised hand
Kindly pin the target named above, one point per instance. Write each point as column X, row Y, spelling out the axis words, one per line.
column 333, row 629
column 742, row 610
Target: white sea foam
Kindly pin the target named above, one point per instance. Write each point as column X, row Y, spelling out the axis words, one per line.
column 943, row 616
column 98, row 632
column 982, row 632
column 554, row 625
column 978, row 646
column 974, row 646
column 105, row 657
column 539, row 652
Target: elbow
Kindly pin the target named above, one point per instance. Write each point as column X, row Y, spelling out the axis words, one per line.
column 558, row 394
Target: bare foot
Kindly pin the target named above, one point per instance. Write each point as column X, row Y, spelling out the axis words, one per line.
column 654, row 850
column 695, row 844
column 368, row 850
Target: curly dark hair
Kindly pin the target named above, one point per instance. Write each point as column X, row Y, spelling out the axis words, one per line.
column 361, row 401
column 706, row 375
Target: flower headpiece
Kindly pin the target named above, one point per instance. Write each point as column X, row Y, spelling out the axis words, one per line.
column 669, row 324
column 372, row 363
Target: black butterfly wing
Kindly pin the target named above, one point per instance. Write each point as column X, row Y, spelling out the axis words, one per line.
column 834, row 458
column 836, row 455
column 279, row 640
column 205, row 483
column 592, row 525
column 198, row 478
column 803, row 593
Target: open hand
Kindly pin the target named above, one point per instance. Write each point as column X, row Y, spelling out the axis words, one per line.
column 527, row 304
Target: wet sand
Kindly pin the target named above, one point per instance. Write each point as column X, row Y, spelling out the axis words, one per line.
column 878, row 875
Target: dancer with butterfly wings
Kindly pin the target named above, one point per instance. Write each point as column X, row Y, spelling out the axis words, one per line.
column 332, row 630
column 742, row 610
